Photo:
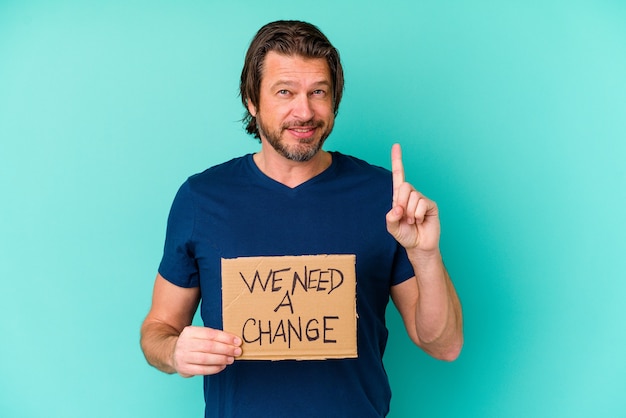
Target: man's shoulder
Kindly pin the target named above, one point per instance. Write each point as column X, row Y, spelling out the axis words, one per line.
column 355, row 165
column 220, row 172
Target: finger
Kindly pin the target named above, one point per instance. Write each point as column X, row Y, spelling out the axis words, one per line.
column 397, row 170
column 189, row 370
column 425, row 208
column 215, row 347
column 208, row 359
column 191, row 363
column 393, row 217
column 420, row 211
column 403, row 194
column 201, row 351
column 212, row 334
column 207, row 341
column 412, row 214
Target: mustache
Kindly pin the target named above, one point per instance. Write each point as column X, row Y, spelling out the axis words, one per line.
column 313, row 123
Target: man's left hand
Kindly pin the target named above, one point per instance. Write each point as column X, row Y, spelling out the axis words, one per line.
column 413, row 219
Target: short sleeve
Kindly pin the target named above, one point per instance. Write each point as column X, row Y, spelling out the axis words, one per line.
column 178, row 264
column 402, row 268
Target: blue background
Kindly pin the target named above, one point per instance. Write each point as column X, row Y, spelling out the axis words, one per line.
column 512, row 116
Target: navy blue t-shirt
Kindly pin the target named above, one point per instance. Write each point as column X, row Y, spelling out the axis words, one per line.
column 234, row 210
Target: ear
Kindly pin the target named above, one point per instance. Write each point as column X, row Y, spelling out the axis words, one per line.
column 251, row 107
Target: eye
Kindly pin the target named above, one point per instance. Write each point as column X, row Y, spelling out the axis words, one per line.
column 283, row 92
column 319, row 92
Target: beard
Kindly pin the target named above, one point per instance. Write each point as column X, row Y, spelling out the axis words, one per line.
column 305, row 149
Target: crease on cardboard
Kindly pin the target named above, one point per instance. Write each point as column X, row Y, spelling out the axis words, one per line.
column 233, row 301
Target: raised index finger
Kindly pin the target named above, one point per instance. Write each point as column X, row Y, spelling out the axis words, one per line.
column 397, row 169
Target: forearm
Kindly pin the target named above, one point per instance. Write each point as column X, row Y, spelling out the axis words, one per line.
column 438, row 313
column 158, row 341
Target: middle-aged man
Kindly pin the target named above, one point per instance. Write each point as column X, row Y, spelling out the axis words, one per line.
column 293, row 198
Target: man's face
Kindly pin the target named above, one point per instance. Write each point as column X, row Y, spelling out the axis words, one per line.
column 295, row 110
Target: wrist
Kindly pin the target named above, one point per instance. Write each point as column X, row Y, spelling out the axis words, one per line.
column 424, row 256
column 170, row 347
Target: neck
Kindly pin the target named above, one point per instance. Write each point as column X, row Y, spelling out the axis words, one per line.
column 288, row 172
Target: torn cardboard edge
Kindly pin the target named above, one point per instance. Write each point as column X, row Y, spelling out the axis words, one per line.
column 291, row 307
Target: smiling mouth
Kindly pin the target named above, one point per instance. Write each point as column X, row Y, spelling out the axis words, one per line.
column 304, row 126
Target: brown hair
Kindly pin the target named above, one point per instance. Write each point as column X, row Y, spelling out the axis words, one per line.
column 288, row 37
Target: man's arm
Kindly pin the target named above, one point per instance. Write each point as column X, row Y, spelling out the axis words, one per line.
column 428, row 303
column 431, row 312
column 173, row 346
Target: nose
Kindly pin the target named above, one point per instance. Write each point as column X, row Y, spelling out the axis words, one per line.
column 302, row 109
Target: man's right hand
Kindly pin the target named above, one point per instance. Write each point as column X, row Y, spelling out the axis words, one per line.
column 204, row 351
column 172, row 345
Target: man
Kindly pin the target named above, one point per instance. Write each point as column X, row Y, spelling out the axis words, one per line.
column 293, row 198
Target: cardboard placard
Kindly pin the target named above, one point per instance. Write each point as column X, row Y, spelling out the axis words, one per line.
column 291, row 307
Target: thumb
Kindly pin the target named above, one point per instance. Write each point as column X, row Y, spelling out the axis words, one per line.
column 393, row 219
